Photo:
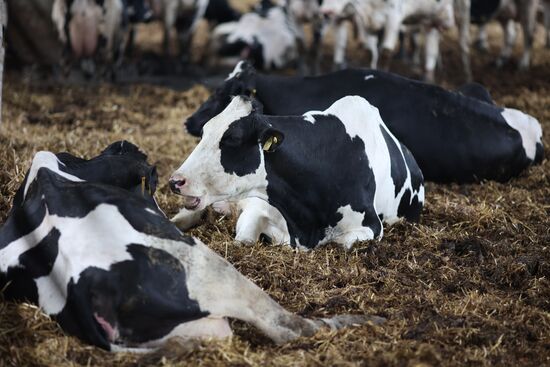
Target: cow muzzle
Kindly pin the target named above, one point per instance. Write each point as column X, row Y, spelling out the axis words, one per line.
column 177, row 186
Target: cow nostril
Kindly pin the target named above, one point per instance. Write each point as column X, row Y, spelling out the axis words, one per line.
column 175, row 185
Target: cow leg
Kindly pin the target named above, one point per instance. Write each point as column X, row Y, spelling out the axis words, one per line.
column 170, row 14
column 316, row 49
column 462, row 12
column 258, row 217
column 302, row 51
column 482, row 42
column 416, row 56
column 528, row 19
column 340, row 44
column 212, row 280
column 432, row 53
column 510, row 35
column 187, row 219
column 371, row 44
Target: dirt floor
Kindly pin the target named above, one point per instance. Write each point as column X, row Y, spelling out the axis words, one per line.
column 469, row 285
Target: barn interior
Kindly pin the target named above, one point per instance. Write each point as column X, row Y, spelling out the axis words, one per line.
column 468, row 285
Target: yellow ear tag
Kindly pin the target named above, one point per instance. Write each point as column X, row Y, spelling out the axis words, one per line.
column 272, row 140
column 253, row 92
column 143, row 185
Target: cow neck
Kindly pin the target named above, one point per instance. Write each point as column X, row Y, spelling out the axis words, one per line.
column 300, row 208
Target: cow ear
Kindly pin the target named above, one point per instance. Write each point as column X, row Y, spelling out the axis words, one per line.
column 271, row 139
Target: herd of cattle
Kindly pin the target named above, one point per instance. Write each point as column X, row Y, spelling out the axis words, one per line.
column 302, row 161
column 272, row 35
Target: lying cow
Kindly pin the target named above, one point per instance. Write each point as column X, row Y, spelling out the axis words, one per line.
column 334, row 175
column 267, row 37
column 86, row 243
column 371, row 17
column 453, row 137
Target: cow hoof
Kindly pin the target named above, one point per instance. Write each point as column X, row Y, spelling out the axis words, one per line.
column 341, row 321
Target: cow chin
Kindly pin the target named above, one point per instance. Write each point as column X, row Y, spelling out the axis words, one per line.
column 193, row 202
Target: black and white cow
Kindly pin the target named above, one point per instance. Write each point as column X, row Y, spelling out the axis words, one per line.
column 267, row 37
column 85, row 242
column 334, row 175
column 454, row 137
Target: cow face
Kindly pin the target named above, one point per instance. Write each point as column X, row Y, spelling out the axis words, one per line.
column 228, row 163
column 239, row 82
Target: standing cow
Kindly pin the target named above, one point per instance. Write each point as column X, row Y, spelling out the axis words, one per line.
column 87, row 244
column 506, row 12
column 371, row 17
column 92, row 29
column 334, row 175
column 454, row 137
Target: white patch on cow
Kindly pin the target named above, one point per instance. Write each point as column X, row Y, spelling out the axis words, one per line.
column 309, row 116
column 259, row 217
column 9, row 255
column 370, row 76
column 46, row 160
column 349, row 229
column 236, row 71
column 149, row 210
column 527, row 126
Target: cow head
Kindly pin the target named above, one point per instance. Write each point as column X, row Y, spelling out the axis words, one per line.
column 241, row 81
column 228, row 163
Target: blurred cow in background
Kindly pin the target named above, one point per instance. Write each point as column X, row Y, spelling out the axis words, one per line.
column 370, row 17
column 96, row 28
column 267, row 36
column 507, row 12
column 185, row 15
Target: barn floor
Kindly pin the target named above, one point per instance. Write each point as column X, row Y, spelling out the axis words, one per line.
column 469, row 285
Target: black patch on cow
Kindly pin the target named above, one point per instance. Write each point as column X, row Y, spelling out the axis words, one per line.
column 417, row 179
column 410, row 210
column 318, row 169
column 220, row 11
column 240, row 151
column 481, row 11
column 476, row 90
column 242, row 84
column 539, row 154
column 145, row 298
column 398, row 166
column 19, row 281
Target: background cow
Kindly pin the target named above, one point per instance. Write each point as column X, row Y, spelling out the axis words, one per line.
column 454, row 137
column 268, row 37
column 112, row 270
column 370, row 17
